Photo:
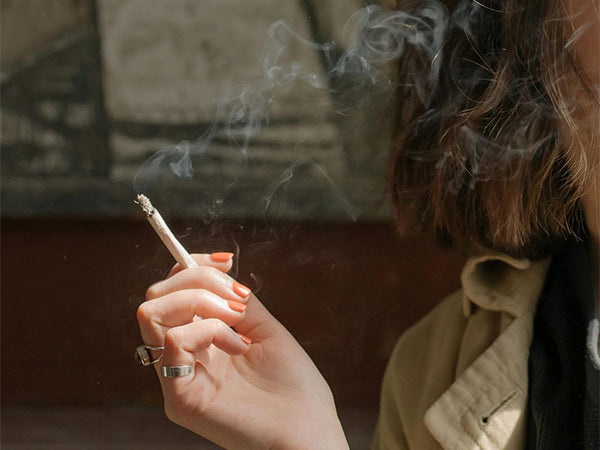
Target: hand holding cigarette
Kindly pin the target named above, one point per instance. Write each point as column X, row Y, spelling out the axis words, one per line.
column 258, row 389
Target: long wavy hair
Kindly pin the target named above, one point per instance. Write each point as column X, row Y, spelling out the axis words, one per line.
column 497, row 154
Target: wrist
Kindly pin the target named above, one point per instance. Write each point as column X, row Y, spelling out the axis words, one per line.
column 320, row 437
column 333, row 440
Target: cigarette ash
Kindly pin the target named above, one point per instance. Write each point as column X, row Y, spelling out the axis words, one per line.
column 144, row 203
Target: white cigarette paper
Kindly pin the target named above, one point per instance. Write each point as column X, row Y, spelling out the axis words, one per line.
column 164, row 233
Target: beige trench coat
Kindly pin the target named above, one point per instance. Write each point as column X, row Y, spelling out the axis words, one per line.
column 458, row 378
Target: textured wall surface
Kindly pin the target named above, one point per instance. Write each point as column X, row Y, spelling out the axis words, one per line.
column 96, row 89
column 52, row 113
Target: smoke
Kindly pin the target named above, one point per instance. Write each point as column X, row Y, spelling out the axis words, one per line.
column 174, row 162
column 324, row 193
column 355, row 73
column 375, row 39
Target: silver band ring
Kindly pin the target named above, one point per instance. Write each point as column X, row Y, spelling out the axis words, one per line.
column 143, row 357
column 176, row 371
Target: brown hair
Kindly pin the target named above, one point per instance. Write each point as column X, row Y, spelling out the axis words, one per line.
column 498, row 155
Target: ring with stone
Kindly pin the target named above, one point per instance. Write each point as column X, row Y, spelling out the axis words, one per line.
column 144, row 358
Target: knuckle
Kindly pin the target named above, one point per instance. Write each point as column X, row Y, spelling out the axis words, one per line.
column 144, row 313
column 194, row 277
column 218, row 326
column 174, row 338
column 152, row 292
column 198, row 297
column 206, row 271
column 213, row 271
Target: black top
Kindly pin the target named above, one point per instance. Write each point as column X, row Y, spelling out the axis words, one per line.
column 564, row 367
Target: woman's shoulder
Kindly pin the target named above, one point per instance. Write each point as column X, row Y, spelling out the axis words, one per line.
column 432, row 354
column 420, row 369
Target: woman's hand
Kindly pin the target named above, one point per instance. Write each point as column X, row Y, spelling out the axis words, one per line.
column 255, row 389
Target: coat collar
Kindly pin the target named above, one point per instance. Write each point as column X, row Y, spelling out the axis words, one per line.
column 500, row 283
column 486, row 405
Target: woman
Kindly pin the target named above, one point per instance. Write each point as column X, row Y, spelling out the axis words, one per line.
column 498, row 160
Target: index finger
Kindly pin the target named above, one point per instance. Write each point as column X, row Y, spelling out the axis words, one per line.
column 219, row 260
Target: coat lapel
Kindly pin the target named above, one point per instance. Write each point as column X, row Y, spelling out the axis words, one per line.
column 485, row 408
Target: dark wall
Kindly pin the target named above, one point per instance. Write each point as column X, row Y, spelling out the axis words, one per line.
column 70, row 289
column 76, row 127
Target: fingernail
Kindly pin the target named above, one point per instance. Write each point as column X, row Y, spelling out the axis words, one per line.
column 241, row 290
column 237, row 306
column 245, row 339
column 221, row 257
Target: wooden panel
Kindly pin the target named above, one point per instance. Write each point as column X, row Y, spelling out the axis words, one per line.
column 71, row 288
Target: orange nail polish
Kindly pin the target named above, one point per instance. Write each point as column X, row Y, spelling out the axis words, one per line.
column 237, row 306
column 221, row 257
column 241, row 290
column 245, row 339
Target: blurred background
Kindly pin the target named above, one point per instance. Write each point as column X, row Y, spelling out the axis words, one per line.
column 90, row 90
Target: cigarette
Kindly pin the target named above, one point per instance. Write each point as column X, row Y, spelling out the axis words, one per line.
column 164, row 233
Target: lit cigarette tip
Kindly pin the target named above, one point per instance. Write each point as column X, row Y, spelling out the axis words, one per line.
column 145, row 204
column 164, row 233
